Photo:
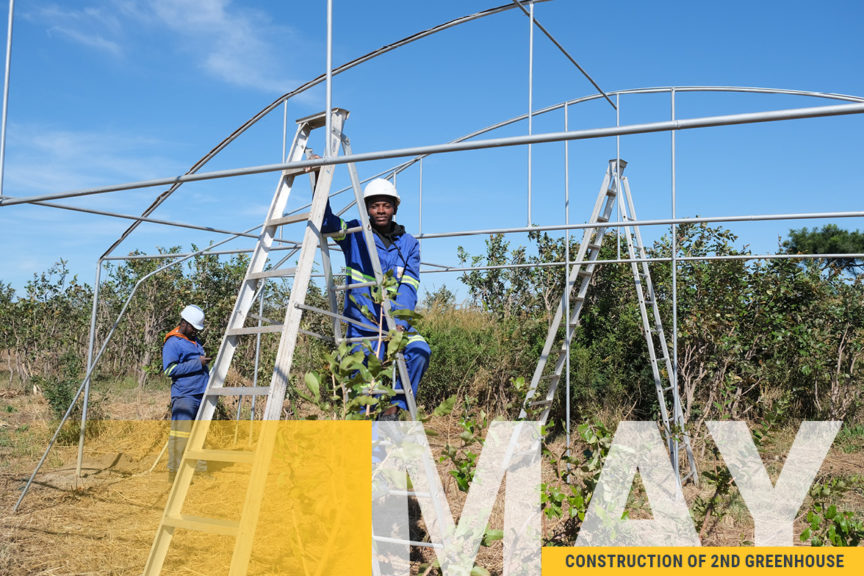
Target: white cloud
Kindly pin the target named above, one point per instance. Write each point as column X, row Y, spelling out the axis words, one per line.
column 239, row 45
column 43, row 160
column 94, row 27
column 228, row 41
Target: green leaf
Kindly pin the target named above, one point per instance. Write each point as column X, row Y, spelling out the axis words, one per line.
column 491, row 536
column 406, row 314
column 446, row 407
column 313, row 383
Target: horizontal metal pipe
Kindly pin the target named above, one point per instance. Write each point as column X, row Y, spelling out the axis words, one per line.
column 658, row 222
column 145, row 219
column 207, row 253
column 549, row 228
column 648, row 260
column 654, row 90
column 665, row 126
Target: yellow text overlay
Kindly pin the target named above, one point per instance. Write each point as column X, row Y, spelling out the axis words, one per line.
column 742, row 561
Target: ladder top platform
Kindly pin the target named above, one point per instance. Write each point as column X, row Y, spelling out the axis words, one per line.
column 319, row 119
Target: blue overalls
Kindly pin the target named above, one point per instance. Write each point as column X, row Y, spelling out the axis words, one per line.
column 402, row 257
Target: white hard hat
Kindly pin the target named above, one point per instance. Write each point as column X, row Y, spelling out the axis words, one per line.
column 194, row 316
column 381, row 187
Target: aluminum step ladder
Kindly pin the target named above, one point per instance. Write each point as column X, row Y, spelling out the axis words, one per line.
column 544, row 383
column 243, row 529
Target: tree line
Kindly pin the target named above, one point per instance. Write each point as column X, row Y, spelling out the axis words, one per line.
column 757, row 339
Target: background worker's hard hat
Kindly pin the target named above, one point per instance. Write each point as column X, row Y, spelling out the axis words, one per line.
column 381, row 187
column 194, row 316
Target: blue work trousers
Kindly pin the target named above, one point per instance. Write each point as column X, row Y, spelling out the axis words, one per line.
column 183, row 412
column 416, row 353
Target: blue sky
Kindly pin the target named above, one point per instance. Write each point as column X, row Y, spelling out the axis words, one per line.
column 112, row 91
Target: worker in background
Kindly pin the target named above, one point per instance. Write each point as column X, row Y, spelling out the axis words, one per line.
column 184, row 360
column 398, row 252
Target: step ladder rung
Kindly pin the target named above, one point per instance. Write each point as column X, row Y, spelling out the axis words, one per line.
column 544, row 402
column 269, row 329
column 341, row 233
column 201, row 524
column 238, row 391
column 275, row 273
column 213, row 455
column 611, row 192
column 602, row 219
column 386, row 540
column 583, row 272
column 356, row 286
column 292, row 219
column 410, row 493
column 355, row 340
column 594, row 246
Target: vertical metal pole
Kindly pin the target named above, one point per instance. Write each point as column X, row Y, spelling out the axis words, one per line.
column 90, row 345
column 674, row 244
column 284, row 130
column 420, row 227
column 618, row 170
column 257, row 355
column 328, row 136
column 6, row 97
column 530, row 96
column 567, row 275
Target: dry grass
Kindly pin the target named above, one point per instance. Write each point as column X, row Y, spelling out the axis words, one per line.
column 104, row 522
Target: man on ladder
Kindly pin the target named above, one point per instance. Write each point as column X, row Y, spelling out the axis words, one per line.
column 399, row 253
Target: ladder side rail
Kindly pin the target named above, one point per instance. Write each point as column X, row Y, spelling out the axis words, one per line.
column 658, row 323
column 284, row 358
column 326, row 264
column 646, row 326
column 576, row 311
column 303, row 274
column 677, row 413
column 249, row 287
column 369, row 237
column 632, row 237
column 589, row 246
column 552, row 332
column 572, row 324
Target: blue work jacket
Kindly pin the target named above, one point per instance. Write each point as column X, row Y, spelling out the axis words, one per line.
column 402, row 257
column 181, row 360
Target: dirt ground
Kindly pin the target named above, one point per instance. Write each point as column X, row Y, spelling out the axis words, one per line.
column 104, row 521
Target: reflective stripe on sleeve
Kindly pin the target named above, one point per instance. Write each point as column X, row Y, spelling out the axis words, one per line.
column 411, row 281
column 358, row 276
column 179, row 434
column 415, row 338
column 170, row 368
